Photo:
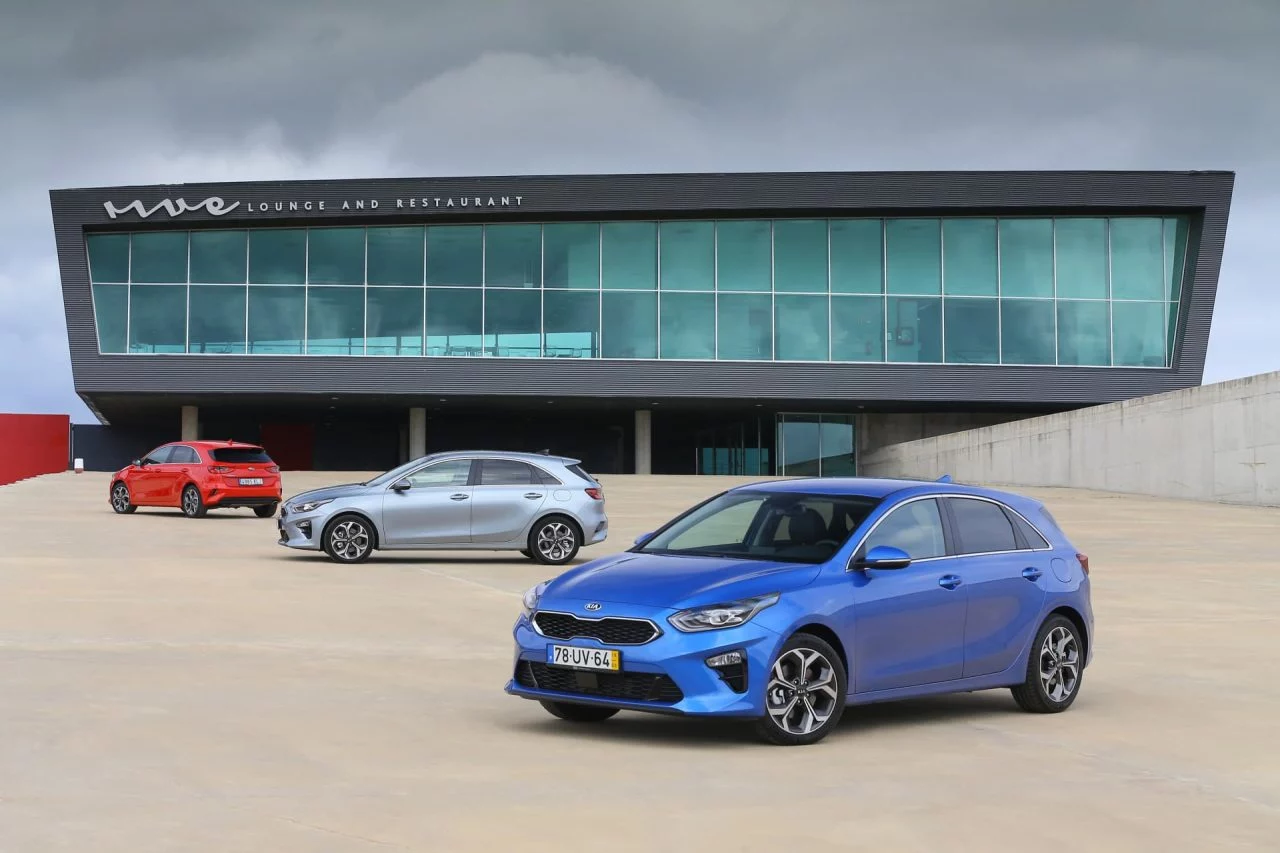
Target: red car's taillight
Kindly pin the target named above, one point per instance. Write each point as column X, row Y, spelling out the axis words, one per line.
column 274, row 469
column 1084, row 562
column 219, row 469
column 595, row 494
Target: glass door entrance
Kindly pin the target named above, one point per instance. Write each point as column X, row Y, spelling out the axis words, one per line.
column 734, row 449
column 816, row 445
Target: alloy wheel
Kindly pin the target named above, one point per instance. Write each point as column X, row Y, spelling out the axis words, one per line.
column 555, row 541
column 190, row 501
column 802, row 693
column 120, row 497
column 1059, row 664
column 349, row 540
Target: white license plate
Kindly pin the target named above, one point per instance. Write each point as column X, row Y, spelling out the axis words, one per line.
column 576, row 657
column 251, row 481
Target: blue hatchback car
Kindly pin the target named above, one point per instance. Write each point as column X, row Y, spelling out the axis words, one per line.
column 784, row 601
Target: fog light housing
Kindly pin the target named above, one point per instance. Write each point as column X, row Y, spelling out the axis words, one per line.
column 731, row 666
column 304, row 527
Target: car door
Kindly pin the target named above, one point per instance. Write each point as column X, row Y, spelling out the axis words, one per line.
column 429, row 507
column 148, row 479
column 175, row 473
column 1006, row 580
column 505, row 500
column 908, row 623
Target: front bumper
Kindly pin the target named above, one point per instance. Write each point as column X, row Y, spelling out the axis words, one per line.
column 300, row 531
column 666, row 675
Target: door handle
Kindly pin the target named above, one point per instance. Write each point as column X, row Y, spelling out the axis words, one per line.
column 949, row 581
column 533, row 496
column 457, row 497
column 1031, row 573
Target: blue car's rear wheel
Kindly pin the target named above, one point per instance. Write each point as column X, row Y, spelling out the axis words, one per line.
column 1054, row 668
column 575, row 713
column 804, row 693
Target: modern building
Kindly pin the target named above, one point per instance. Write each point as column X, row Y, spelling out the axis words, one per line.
column 666, row 323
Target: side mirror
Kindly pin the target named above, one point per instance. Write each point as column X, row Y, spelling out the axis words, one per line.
column 643, row 538
column 884, row 557
column 401, row 486
column 137, row 463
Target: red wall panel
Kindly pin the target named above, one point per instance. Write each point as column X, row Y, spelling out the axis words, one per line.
column 31, row 445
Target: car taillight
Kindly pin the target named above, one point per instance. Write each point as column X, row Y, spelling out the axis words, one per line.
column 1084, row 562
column 595, row 494
column 219, row 469
column 274, row 469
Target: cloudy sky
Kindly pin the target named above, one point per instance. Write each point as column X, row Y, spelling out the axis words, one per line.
column 104, row 92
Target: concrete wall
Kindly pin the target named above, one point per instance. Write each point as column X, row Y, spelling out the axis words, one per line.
column 1216, row 442
column 876, row 430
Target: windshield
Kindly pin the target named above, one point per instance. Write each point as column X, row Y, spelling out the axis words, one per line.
column 782, row 526
column 396, row 473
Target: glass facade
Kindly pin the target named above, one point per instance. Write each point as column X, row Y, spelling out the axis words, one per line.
column 1081, row 291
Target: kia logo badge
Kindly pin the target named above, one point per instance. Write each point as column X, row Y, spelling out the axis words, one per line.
column 595, row 605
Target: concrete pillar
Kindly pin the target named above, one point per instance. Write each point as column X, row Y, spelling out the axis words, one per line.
column 644, row 441
column 190, row 423
column 417, row 432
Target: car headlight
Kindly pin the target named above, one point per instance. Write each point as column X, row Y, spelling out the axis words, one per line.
column 717, row 616
column 310, row 505
column 531, row 595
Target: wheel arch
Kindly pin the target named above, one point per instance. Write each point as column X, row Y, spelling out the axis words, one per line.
column 363, row 516
column 1077, row 619
column 831, row 638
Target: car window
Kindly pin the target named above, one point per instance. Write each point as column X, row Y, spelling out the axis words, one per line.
column 982, row 527
column 507, row 472
column 454, row 472
column 915, row 527
column 159, row 456
column 1034, row 537
column 581, row 472
column 240, row 455
column 184, row 456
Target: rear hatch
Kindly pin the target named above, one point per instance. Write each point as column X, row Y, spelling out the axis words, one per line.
column 244, row 465
column 597, row 492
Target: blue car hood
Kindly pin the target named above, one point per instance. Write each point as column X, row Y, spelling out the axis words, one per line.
column 664, row 581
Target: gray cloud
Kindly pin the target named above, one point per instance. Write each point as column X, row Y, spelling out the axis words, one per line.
column 138, row 91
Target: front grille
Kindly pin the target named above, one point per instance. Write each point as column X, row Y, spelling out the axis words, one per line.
column 628, row 686
column 613, row 630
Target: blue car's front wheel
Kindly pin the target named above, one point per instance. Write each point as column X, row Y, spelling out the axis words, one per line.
column 804, row 694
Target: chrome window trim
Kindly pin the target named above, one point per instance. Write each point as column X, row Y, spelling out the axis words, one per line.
column 939, row 496
column 533, row 620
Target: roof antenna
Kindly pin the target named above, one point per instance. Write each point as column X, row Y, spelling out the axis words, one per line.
column 945, row 478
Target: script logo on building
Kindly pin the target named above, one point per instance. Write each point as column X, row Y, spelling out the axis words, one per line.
column 214, row 205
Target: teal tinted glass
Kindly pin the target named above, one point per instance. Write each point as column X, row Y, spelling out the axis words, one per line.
column 277, row 256
column 801, row 328
column 1138, row 333
column 1027, row 331
column 744, row 255
column 394, row 320
column 513, row 256
column 973, row 331
column 689, row 325
column 857, row 328
column 857, row 256
column 800, row 256
column 277, row 318
column 629, row 257
column 630, row 325
column 335, row 321
column 1137, row 258
column 838, row 459
column 455, row 256
column 799, row 445
column 688, row 252
column 914, row 256
column 571, row 323
column 915, row 329
column 159, row 257
column 513, row 323
column 217, row 319
column 109, row 257
column 395, row 255
column 1026, row 257
column 335, row 256
column 1175, row 254
column 1084, row 333
column 111, row 315
column 454, row 321
column 571, row 255
column 744, row 327
column 1082, row 258
column 158, row 318
column 969, row 266
column 219, row 257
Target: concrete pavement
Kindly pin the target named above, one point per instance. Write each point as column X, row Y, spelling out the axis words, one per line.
column 174, row 684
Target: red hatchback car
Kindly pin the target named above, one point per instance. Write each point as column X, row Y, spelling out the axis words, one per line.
column 196, row 476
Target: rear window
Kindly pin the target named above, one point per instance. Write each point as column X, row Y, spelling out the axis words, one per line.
column 239, row 455
column 578, row 470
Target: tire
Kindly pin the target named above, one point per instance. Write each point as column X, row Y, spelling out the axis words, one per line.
column 1055, row 668
column 554, row 540
column 575, row 713
column 790, row 714
column 121, row 500
column 192, row 504
column 265, row 511
column 349, row 539
column 526, row 552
